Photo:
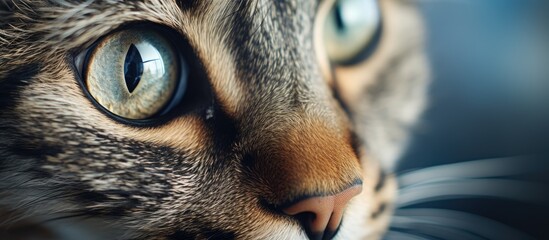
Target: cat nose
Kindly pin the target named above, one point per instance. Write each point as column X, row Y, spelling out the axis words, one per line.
column 321, row 216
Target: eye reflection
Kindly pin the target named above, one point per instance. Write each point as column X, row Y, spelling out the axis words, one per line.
column 136, row 74
column 142, row 58
column 133, row 68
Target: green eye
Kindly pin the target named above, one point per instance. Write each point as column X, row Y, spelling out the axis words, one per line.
column 136, row 73
column 351, row 29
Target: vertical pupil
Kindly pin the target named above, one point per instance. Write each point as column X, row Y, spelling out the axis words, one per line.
column 133, row 68
column 339, row 18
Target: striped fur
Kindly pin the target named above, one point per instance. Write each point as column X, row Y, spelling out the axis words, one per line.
column 277, row 123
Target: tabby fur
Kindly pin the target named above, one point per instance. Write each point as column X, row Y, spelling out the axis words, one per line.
column 278, row 122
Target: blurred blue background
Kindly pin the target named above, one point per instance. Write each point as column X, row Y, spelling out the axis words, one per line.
column 489, row 97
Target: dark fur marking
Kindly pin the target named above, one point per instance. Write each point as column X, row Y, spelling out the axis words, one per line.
column 181, row 235
column 92, row 196
column 243, row 37
column 188, row 5
column 15, row 80
column 33, row 150
column 380, row 180
column 117, row 208
column 241, row 31
column 123, row 209
column 120, row 210
column 6, row 11
column 248, row 161
column 380, row 210
column 223, row 127
column 218, row 234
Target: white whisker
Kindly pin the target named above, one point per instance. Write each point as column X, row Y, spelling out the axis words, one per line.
column 468, row 223
column 497, row 167
column 466, row 188
column 428, row 228
column 395, row 235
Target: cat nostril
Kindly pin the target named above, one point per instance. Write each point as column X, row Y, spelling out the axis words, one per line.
column 321, row 216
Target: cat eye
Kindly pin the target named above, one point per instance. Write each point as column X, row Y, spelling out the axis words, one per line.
column 351, row 30
column 136, row 73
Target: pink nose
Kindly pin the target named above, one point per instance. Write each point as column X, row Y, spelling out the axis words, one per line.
column 321, row 216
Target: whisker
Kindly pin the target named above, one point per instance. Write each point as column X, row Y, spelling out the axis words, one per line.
column 468, row 223
column 515, row 190
column 427, row 228
column 496, row 167
column 394, row 235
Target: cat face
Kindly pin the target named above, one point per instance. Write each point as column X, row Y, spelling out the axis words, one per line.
column 266, row 117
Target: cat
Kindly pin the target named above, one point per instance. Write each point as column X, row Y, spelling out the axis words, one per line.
column 192, row 119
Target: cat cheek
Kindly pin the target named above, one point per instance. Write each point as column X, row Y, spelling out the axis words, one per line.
column 186, row 133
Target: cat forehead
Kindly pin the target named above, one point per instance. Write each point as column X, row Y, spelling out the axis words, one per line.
column 77, row 24
column 175, row 13
column 248, row 48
